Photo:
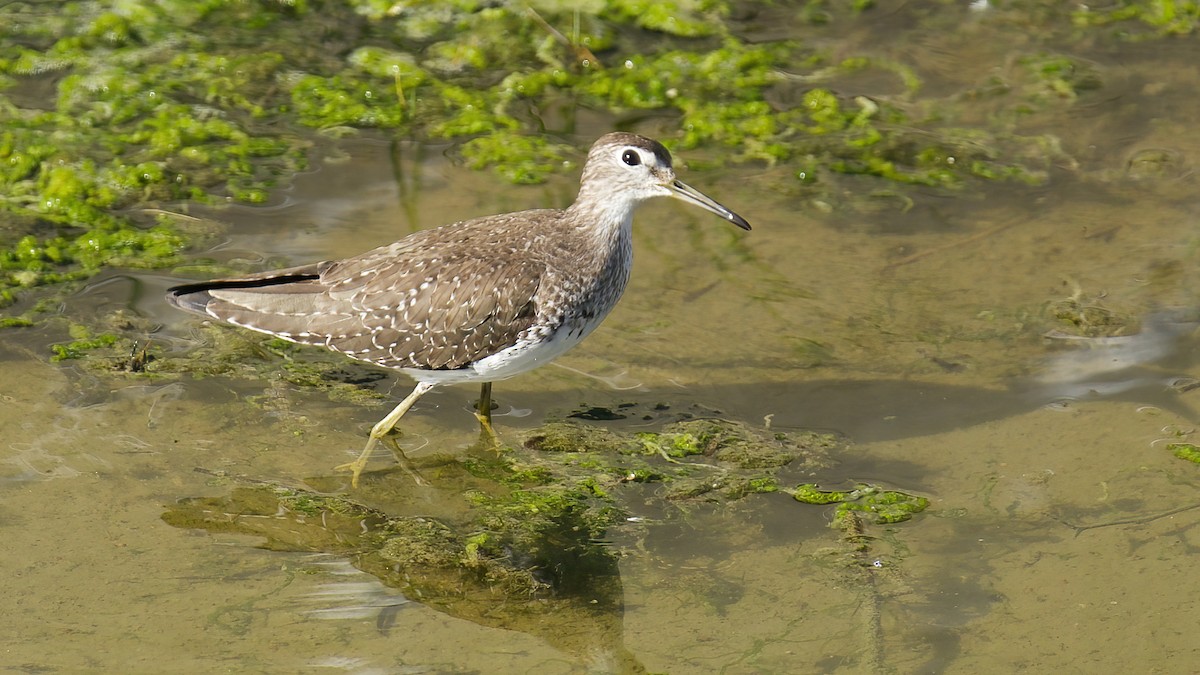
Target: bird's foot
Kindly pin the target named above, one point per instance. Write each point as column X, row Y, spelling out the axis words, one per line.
column 487, row 432
column 357, row 466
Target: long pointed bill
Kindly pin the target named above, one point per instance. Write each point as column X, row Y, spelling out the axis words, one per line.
column 691, row 195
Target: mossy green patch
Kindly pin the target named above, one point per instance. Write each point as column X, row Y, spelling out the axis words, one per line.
column 15, row 322
column 555, row 525
column 875, row 504
column 1142, row 19
column 151, row 105
column 570, row 437
column 811, row 494
column 122, row 345
column 707, row 459
column 520, row 159
column 83, row 340
column 33, row 261
column 732, row 444
column 1185, row 451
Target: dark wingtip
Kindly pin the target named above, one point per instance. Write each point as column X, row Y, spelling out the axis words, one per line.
column 195, row 297
column 190, row 297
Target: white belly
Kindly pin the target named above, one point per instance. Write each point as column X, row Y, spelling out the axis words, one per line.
column 520, row 358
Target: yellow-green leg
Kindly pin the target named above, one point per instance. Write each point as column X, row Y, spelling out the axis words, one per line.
column 483, row 412
column 382, row 429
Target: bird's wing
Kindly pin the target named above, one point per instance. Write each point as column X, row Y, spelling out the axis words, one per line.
column 433, row 310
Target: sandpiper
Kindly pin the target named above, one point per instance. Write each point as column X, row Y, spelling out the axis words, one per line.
column 475, row 301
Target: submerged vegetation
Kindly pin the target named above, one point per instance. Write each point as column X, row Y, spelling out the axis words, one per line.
column 1142, row 19
column 555, row 582
column 523, row 537
column 866, row 502
column 111, row 109
column 517, row 537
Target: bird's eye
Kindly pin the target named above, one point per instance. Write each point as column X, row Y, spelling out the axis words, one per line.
column 631, row 158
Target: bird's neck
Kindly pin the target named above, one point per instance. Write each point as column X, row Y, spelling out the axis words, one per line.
column 602, row 228
column 607, row 222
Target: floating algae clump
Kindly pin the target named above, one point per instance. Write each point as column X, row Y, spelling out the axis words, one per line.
column 708, row 459
column 869, row 502
column 1185, row 451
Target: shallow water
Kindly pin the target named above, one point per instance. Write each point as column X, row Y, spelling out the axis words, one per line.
column 1061, row 536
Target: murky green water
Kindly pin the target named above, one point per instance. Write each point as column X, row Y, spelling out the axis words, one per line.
column 1061, row 537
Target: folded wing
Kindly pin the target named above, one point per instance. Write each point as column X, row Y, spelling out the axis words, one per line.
column 434, row 312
